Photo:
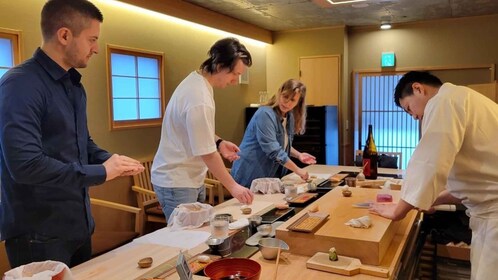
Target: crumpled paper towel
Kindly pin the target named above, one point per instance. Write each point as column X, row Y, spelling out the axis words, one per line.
column 266, row 185
column 47, row 270
column 361, row 222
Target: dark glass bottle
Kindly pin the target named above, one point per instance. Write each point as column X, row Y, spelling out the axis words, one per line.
column 370, row 156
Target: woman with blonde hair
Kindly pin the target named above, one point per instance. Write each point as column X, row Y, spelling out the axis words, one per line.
column 266, row 148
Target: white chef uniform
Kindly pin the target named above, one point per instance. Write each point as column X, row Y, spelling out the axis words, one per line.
column 459, row 150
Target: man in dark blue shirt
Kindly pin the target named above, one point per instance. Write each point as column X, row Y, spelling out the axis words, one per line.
column 47, row 158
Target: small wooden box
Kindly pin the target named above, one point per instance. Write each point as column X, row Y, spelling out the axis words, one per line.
column 368, row 245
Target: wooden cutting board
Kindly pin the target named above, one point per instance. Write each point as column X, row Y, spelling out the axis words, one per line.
column 344, row 266
column 368, row 245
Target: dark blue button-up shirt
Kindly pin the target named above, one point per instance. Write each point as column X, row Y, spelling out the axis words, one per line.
column 47, row 157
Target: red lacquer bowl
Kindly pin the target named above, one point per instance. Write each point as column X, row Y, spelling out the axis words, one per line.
column 222, row 268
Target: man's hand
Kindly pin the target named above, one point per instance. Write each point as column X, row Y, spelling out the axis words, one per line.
column 307, row 158
column 243, row 195
column 118, row 165
column 229, row 150
column 393, row 211
column 383, row 209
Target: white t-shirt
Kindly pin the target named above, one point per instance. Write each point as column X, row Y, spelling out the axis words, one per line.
column 458, row 149
column 187, row 134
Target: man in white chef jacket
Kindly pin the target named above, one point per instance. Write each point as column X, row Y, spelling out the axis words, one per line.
column 456, row 160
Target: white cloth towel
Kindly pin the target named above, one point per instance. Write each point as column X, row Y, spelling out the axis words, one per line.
column 361, row 222
column 266, row 185
column 240, row 223
column 47, row 270
column 189, row 216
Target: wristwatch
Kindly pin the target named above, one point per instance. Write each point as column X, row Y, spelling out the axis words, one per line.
column 218, row 143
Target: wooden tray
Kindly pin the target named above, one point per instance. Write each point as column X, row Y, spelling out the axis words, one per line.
column 337, row 178
column 303, row 198
column 309, row 222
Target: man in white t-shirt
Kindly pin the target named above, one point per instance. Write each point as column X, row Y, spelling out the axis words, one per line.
column 189, row 145
column 456, row 160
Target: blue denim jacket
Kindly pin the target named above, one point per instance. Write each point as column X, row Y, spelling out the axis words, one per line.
column 261, row 150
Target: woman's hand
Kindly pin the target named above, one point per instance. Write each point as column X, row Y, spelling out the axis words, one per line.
column 303, row 174
column 307, row 158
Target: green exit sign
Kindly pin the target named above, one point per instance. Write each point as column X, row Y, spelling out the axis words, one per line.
column 388, row 59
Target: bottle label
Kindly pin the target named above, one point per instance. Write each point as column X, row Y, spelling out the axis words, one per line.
column 366, row 167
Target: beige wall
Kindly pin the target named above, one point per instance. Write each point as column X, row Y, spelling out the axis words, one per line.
column 446, row 43
column 282, row 61
column 454, row 42
column 283, row 56
column 184, row 47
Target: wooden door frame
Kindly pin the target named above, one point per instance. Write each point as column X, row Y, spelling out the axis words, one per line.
column 340, row 95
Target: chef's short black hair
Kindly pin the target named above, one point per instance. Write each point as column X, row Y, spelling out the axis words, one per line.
column 404, row 87
column 224, row 54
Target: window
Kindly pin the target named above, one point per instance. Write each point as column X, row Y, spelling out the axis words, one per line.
column 394, row 130
column 135, row 87
column 9, row 49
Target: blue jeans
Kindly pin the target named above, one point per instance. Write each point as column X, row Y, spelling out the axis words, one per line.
column 34, row 247
column 170, row 198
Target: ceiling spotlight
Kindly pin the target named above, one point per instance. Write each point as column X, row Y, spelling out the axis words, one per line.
column 385, row 25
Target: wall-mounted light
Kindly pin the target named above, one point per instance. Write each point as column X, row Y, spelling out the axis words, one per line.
column 385, row 25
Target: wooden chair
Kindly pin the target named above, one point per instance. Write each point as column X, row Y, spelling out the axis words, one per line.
column 399, row 163
column 103, row 240
column 398, row 155
column 221, row 191
column 4, row 261
column 146, row 197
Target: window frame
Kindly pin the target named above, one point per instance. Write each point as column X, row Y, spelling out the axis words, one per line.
column 15, row 36
column 385, row 116
column 356, row 101
column 130, row 124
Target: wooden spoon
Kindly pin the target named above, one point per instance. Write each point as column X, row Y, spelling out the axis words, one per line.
column 276, row 264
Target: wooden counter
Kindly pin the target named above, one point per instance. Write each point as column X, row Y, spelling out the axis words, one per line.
column 293, row 265
column 122, row 262
column 367, row 244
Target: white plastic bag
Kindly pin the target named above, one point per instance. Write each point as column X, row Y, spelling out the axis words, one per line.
column 47, row 270
column 190, row 215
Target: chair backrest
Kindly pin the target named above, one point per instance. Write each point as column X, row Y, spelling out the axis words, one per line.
column 383, row 162
column 142, row 180
column 146, row 197
column 4, row 261
column 393, row 155
column 106, row 240
column 221, row 191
